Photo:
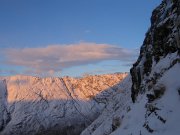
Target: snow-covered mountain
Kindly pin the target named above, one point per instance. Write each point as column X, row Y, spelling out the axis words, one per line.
column 152, row 105
column 63, row 106
column 147, row 102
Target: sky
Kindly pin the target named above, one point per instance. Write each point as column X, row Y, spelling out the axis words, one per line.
column 71, row 37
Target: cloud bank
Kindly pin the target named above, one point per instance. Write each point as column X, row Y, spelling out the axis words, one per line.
column 54, row 58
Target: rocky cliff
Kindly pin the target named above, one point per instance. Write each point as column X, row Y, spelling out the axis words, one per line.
column 65, row 106
column 162, row 41
column 152, row 108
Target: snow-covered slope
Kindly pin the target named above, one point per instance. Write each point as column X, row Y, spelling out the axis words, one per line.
column 65, row 106
column 112, row 115
column 158, row 117
column 153, row 105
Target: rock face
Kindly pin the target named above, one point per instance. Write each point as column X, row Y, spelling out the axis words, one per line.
column 162, row 40
column 152, row 105
column 65, row 106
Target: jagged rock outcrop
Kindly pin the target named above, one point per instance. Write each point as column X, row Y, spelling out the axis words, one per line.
column 162, row 40
column 65, row 106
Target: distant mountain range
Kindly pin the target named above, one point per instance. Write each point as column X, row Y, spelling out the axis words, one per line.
column 33, row 105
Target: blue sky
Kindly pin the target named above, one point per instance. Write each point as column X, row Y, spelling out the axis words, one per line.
column 28, row 27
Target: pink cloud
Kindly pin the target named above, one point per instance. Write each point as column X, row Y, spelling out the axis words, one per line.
column 55, row 58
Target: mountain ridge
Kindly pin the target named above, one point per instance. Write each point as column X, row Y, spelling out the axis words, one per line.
column 34, row 105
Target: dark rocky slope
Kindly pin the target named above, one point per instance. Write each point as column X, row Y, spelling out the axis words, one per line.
column 162, row 38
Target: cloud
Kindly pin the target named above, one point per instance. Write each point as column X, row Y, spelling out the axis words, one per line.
column 55, row 58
